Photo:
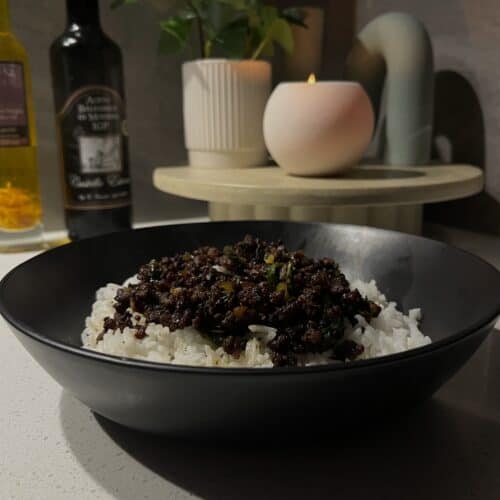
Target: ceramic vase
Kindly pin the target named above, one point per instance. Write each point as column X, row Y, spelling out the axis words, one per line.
column 223, row 105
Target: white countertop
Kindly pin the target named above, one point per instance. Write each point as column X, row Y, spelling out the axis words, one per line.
column 53, row 447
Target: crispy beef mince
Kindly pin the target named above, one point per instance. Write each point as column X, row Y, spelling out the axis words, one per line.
column 222, row 292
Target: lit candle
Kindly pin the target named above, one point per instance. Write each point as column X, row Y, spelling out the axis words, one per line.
column 318, row 128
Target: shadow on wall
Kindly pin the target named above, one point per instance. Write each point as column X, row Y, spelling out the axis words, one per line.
column 338, row 36
column 340, row 31
column 459, row 137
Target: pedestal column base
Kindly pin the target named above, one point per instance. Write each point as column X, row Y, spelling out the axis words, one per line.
column 404, row 218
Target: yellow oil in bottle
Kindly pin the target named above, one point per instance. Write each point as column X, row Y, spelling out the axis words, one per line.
column 20, row 206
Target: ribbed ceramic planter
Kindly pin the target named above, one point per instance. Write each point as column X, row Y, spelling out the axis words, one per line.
column 224, row 104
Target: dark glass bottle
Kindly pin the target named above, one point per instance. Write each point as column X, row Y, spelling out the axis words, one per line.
column 87, row 79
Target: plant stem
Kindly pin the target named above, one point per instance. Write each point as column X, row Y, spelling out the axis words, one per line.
column 260, row 48
column 207, row 48
column 201, row 34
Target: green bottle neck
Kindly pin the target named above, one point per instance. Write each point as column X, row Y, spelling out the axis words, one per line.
column 83, row 12
column 4, row 16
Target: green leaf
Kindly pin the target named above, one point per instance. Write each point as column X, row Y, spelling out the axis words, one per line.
column 268, row 15
column 254, row 4
column 118, row 3
column 186, row 14
column 232, row 39
column 281, row 33
column 272, row 274
column 235, row 28
column 294, row 15
column 235, row 4
column 253, row 19
column 205, row 12
column 202, row 8
column 222, row 14
column 174, row 34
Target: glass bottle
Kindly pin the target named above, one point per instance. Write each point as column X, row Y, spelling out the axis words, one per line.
column 20, row 206
column 87, row 79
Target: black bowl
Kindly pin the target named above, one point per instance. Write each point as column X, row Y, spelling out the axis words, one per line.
column 46, row 299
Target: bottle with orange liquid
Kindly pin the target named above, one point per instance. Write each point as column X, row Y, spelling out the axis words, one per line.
column 20, row 207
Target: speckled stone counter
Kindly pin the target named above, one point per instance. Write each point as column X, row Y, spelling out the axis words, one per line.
column 52, row 447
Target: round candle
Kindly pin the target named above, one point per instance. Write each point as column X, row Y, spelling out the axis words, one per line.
column 318, row 128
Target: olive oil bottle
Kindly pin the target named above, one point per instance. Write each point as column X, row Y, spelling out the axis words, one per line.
column 87, row 79
column 20, row 207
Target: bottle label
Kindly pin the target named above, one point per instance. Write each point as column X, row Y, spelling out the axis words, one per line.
column 14, row 128
column 94, row 146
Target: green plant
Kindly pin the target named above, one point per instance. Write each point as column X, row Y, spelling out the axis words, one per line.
column 239, row 29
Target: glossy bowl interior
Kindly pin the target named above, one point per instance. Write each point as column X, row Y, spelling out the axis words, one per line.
column 46, row 299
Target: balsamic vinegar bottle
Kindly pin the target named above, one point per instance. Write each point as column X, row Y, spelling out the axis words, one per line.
column 87, row 79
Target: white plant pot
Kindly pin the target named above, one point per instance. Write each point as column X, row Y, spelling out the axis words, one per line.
column 224, row 104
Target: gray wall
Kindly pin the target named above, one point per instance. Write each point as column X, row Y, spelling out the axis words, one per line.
column 466, row 39
column 153, row 89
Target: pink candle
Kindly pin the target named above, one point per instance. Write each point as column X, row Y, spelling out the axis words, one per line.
column 318, row 128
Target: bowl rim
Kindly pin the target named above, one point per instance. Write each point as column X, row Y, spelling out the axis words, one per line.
column 462, row 334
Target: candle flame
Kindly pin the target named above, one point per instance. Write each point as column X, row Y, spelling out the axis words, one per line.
column 312, row 78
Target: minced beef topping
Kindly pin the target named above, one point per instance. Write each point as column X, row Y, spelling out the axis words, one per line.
column 220, row 292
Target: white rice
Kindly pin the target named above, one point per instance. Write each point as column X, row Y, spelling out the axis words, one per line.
column 391, row 332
